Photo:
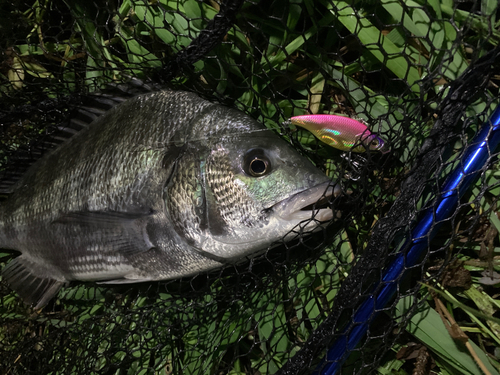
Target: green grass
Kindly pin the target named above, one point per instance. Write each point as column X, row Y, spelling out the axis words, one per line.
column 306, row 51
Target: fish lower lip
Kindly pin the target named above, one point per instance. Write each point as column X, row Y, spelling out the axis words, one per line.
column 308, row 204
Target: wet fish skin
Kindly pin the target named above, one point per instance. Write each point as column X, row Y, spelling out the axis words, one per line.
column 164, row 185
column 343, row 133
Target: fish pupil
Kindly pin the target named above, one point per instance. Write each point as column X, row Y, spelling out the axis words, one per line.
column 258, row 167
column 256, row 163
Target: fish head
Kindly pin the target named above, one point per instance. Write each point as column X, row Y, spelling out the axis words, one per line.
column 253, row 189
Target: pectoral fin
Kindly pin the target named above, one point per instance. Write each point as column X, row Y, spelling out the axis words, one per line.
column 100, row 218
column 31, row 281
column 123, row 232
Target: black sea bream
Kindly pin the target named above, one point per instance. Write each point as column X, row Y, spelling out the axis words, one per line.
column 162, row 186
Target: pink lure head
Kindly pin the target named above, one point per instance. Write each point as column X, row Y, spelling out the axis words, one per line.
column 341, row 132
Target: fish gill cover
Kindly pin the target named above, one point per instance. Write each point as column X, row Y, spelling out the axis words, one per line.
column 420, row 74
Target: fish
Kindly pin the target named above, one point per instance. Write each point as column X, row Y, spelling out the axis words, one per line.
column 163, row 185
column 343, row 133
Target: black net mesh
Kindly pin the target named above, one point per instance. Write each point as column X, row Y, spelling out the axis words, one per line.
column 421, row 74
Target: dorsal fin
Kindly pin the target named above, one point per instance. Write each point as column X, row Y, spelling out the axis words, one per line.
column 89, row 108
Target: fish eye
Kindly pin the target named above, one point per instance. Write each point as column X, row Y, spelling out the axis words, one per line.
column 257, row 163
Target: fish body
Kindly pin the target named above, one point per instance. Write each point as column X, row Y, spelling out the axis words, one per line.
column 162, row 186
column 341, row 132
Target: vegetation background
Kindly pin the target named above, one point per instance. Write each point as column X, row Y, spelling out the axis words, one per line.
column 388, row 62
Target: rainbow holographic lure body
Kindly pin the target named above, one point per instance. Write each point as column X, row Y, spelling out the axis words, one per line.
column 341, row 132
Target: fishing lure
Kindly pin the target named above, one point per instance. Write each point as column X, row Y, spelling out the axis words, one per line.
column 341, row 132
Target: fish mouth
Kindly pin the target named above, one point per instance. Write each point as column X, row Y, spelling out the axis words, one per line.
column 313, row 203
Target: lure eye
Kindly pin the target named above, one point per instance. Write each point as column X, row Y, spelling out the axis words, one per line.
column 376, row 143
column 257, row 163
